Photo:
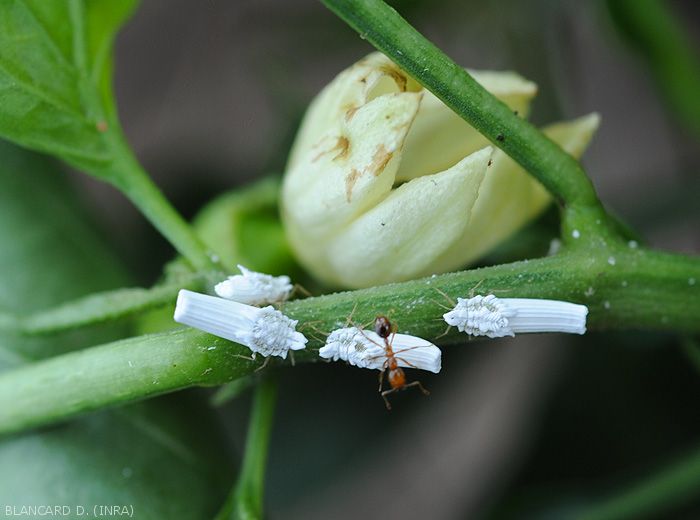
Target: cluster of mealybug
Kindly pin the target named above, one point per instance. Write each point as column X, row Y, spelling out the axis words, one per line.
column 235, row 315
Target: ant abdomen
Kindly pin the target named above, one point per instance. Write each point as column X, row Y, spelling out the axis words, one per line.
column 397, row 378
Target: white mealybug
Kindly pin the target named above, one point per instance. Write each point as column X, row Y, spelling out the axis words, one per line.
column 264, row 331
column 497, row 317
column 254, row 288
column 365, row 349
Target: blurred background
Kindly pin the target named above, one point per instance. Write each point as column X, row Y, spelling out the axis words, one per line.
column 210, row 95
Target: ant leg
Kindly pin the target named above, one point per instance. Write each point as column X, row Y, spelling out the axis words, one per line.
column 471, row 291
column 386, row 401
column 267, row 360
column 366, row 325
column 247, row 358
column 348, row 321
column 291, row 357
column 447, row 331
column 449, row 300
column 370, row 339
column 411, row 365
column 381, row 380
column 312, row 326
column 301, row 289
column 321, row 337
column 419, row 385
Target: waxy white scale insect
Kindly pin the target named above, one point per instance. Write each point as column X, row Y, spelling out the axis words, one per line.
column 365, row 349
column 384, row 350
column 254, row 288
column 264, row 331
column 497, row 317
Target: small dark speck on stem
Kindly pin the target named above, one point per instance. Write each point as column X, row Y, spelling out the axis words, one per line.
column 500, row 138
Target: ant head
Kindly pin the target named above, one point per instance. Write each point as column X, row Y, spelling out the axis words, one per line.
column 382, row 326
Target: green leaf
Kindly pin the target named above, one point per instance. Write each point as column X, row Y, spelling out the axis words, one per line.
column 244, row 227
column 146, row 456
column 163, row 457
column 48, row 253
column 658, row 34
column 55, row 77
column 56, row 97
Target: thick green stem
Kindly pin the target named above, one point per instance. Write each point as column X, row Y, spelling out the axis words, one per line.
column 246, row 499
column 382, row 26
column 115, row 373
column 623, row 287
column 650, row 497
column 101, row 307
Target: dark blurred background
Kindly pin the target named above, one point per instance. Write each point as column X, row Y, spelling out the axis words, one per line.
column 210, row 95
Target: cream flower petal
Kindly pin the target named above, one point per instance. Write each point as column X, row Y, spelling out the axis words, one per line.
column 439, row 138
column 509, row 197
column 404, row 233
column 349, row 171
column 367, row 79
column 371, row 129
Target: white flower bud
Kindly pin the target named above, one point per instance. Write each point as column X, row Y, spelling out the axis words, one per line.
column 254, row 288
column 365, row 349
column 347, row 216
column 497, row 317
column 264, row 331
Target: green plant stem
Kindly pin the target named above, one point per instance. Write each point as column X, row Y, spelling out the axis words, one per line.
column 123, row 169
column 643, row 290
column 245, row 502
column 384, row 28
column 666, row 489
column 101, row 307
column 115, row 373
column 660, row 38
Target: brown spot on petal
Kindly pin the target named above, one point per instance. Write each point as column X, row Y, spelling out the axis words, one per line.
column 350, row 181
column 379, row 160
column 342, row 145
column 350, row 112
column 400, row 80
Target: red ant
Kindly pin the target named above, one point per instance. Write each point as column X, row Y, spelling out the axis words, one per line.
column 396, row 377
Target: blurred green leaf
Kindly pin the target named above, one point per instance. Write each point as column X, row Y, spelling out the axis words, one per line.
column 55, row 77
column 658, row 35
column 48, row 253
column 164, row 458
column 244, row 227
